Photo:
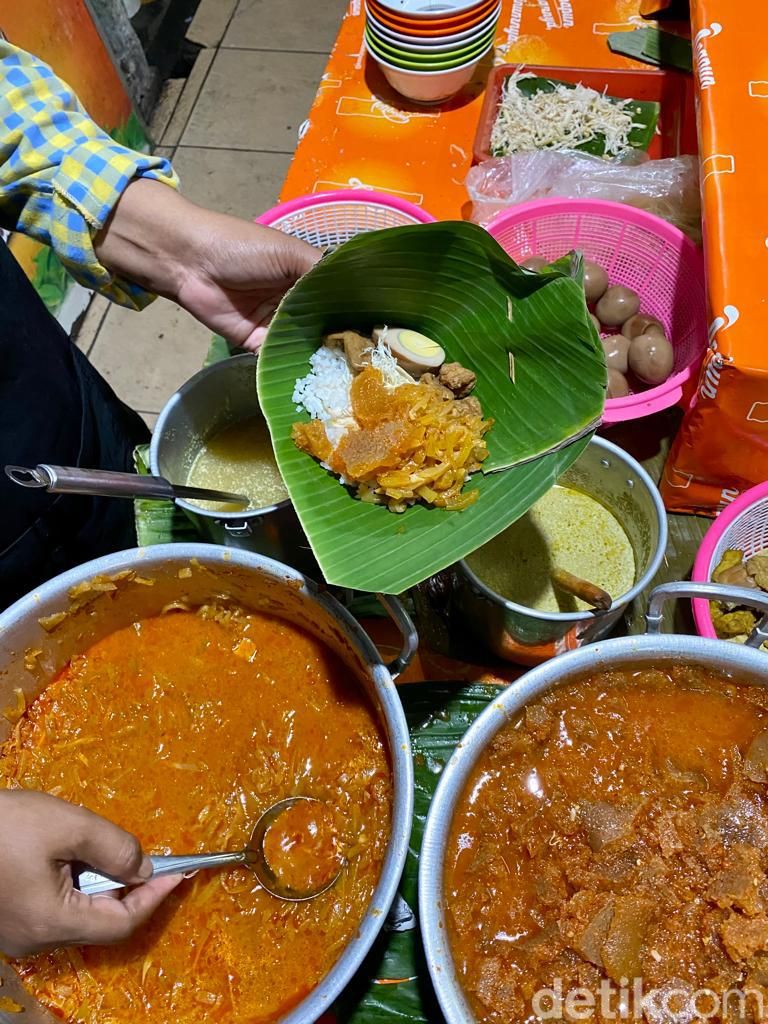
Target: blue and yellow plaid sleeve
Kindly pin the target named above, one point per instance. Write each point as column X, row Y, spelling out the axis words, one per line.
column 60, row 174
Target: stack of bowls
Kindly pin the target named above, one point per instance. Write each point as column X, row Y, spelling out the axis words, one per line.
column 428, row 49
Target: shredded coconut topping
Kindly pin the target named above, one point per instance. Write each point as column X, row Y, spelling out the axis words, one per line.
column 562, row 119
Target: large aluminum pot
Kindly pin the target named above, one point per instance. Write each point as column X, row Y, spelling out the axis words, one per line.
column 219, row 395
column 651, row 649
column 255, row 583
column 510, row 630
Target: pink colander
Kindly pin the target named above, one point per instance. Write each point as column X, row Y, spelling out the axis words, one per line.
column 742, row 525
column 327, row 219
column 638, row 250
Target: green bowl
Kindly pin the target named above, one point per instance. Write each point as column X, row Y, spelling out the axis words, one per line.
column 424, row 58
column 446, row 62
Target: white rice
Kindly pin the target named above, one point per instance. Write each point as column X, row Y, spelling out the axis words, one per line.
column 325, row 392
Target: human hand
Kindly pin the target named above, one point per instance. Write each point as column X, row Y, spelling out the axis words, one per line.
column 229, row 273
column 40, row 838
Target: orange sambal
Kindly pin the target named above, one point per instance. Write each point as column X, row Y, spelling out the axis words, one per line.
column 183, row 729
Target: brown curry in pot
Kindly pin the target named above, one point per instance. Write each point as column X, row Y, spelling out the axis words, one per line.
column 183, row 729
column 617, row 830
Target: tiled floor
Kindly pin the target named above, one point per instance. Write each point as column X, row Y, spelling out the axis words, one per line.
column 230, row 131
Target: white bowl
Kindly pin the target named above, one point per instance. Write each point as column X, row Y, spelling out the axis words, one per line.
column 429, row 44
column 428, row 87
column 430, row 8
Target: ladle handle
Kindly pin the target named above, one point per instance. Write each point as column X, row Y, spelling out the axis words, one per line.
column 396, row 611
column 74, row 480
column 92, row 883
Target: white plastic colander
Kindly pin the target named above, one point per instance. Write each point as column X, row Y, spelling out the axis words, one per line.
column 742, row 526
column 328, row 219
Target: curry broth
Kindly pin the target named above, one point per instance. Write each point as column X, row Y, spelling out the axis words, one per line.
column 183, row 728
column 617, row 829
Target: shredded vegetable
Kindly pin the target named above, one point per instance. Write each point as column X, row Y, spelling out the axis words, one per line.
column 183, row 730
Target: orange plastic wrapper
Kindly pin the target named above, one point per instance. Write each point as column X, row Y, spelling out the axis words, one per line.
column 722, row 448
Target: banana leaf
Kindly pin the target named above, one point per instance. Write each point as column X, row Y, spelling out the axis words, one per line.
column 454, row 283
column 645, row 115
column 393, row 985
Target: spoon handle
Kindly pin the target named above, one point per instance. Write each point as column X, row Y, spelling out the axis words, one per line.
column 92, row 883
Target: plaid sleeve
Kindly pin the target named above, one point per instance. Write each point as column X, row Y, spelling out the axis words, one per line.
column 60, row 174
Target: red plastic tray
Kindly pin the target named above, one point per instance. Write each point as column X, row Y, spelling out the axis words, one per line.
column 676, row 134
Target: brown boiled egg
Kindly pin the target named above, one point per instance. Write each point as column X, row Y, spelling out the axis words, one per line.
column 595, row 281
column 535, row 263
column 616, row 347
column 617, row 384
column 617, row 305
column 651, row 358
column 642, row 323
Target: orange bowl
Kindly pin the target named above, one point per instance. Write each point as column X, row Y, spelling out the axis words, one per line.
column 432, row 26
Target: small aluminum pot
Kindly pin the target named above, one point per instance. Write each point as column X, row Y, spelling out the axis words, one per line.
column 257, row 584
column 219, row 395
column 606, row 472
column 650, row 650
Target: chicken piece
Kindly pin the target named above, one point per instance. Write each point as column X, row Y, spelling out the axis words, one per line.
column 743, row 936
column 733, row 570
column 431, row 381
column 470, row 405
column 357, row 348
column 622, row 949
column 757, row 568
column 539, row 721
column 584, row 923
column 738, row 884
column 731, row 624
column 457, row 378
column 604, row 823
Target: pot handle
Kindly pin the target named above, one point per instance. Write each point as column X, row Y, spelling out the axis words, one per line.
column 756, row 599
column 396, row 611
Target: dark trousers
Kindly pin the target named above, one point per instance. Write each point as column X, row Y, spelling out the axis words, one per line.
column 54, row 408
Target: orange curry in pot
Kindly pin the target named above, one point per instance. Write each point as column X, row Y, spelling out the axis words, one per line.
column 617, row 830
column 183, row 729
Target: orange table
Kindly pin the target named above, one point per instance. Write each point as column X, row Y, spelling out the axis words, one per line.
column 361, row 134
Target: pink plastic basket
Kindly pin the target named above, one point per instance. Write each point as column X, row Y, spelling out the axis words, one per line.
column 327, row 219
column 638, row 250
column 742, row 525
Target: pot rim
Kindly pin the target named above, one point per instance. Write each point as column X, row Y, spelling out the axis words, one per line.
column 220, row 366
column 624, row 599
column 394, row 724
column 559, row 671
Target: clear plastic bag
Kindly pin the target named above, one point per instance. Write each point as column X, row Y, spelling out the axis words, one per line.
column 669, row 188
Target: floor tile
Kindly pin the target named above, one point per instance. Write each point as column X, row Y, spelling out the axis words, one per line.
column 85, row 335
column 210, row 21
column 146, row 356
column 254, row 100
column 289, row 25
column 165, row 106
column 188, row 98
column 231, row 181
column 166, row 151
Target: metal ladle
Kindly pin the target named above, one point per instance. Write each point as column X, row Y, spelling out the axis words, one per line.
column 111, row 484
column 92, row 883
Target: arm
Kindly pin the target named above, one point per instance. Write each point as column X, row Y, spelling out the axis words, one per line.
column 115, row 224
column 60, row 174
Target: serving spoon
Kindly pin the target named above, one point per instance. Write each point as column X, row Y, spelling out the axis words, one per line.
column 112, row 484
column 253, row 856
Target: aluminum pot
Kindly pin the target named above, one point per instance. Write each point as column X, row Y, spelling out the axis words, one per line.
column 255, row 583
column 651, row 649
column 219, row 395
column 607, row 473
